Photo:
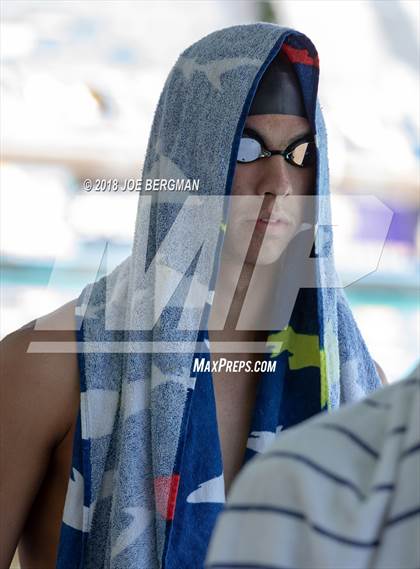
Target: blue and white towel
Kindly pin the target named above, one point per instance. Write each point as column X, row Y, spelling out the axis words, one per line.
column 146, row 483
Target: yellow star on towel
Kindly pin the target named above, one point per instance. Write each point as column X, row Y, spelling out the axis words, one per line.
column 304, row 348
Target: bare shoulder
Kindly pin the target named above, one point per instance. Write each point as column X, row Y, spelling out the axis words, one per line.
column 39, row 402
column 36, row 382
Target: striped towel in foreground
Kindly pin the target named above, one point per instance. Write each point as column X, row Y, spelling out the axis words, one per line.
column 340, row 491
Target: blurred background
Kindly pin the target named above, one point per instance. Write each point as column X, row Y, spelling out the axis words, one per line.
column 79, row 84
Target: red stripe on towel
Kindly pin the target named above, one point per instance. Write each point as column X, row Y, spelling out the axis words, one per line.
column 166, row 491
column 300, row 56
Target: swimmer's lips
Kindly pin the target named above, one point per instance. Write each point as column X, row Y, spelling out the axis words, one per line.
column 273, row 225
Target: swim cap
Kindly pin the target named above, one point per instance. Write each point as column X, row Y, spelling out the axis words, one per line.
column 279, row 91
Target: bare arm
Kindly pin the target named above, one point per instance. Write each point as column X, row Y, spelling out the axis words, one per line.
column 38, row 403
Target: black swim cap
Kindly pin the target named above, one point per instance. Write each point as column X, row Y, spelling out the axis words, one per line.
column 279, row 91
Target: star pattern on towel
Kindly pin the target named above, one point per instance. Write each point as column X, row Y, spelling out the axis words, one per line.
column 213, row 70
column 166, row 168
column 140, row 520
column 303, row 348
column 101, row 405
column 136, row 398
column 76, row 514
column 258, row 441
column 160, row 378
column 74, row 510
column 212, row 490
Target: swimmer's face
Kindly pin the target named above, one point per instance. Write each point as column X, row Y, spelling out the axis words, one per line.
column 280, row 187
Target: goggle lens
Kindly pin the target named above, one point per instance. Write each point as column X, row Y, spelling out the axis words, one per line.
column 249, row 150
column 301, row 155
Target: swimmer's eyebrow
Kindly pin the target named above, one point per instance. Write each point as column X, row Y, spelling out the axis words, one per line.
column 259, row 136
